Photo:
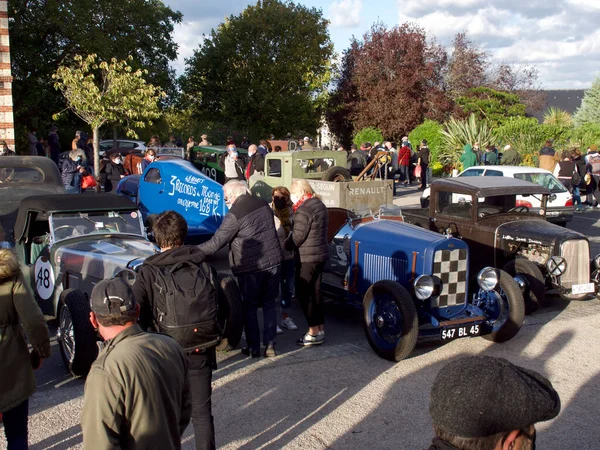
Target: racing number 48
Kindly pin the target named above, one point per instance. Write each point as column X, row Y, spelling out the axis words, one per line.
column 43, row 278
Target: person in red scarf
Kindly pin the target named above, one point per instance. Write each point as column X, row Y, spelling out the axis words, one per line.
column 309, row 239
column 256, row 162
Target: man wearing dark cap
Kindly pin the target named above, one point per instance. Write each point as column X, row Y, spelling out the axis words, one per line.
column 487, row 403
column 137, row 392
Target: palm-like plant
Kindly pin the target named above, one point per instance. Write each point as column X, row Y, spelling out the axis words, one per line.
column 457, row 133
column 557, row 116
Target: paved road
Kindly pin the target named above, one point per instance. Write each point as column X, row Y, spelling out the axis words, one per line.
column 342, row 396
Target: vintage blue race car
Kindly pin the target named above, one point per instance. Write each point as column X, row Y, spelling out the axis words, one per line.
column 177, row 185
column 414, row 284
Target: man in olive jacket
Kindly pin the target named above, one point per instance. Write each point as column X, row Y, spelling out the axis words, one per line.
column 137, row 394
column 18, row 312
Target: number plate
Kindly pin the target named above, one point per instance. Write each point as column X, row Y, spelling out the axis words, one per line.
column 587, row 288
column 448, row 334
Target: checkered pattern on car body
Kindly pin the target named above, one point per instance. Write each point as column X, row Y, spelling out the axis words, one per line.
column 450, row 270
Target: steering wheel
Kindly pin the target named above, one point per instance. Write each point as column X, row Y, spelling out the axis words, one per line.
column 71, row 229
column 520, row 208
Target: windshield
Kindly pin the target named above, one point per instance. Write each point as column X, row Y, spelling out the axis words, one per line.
column 70, row 225
column 21, row 175
column 543, row 179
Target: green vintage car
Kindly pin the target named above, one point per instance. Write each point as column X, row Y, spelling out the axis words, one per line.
column 206, row 159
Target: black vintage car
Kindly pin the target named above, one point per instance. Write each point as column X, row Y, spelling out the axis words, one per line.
column 483, row 211
column 24, row 176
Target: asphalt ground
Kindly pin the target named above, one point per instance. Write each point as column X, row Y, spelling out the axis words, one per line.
column 343, row 396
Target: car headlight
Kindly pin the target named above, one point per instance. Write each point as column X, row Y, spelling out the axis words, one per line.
column 556, row 266
column 597, row 262
column 424, row 287
column 487, row 278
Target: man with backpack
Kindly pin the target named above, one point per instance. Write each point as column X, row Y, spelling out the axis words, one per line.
column 178, row 295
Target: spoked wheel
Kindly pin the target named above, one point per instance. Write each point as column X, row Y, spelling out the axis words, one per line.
column 503, row 307
column 76, row 336
column 390, row 320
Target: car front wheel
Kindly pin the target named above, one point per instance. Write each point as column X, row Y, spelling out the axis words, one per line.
column 503, row 307
column 531, row 281
column 76, row 336
column 390, row 320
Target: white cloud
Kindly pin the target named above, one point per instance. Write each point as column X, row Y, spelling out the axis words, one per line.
column 558, row 37
column 345, row 13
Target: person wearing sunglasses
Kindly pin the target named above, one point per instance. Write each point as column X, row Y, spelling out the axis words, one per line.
column 488, row 403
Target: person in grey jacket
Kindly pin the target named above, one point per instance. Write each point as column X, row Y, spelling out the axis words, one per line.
column 20, row 316
column 137, row 394
column 255, row 257
column 309, row 238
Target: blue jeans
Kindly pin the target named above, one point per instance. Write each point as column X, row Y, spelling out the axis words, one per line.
column 15, row 426
column 576, row 196
column 287, row 283
column 260, row 289
column 404, row 174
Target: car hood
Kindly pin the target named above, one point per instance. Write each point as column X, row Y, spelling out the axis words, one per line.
column 534, row 232
column 101, row 257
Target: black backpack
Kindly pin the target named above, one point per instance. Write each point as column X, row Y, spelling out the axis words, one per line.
column 186, row 304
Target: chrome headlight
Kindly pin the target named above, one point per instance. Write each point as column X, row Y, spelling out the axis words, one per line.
column 487, row 278
column 556, row 266
column 597, row 262
column 423, row 287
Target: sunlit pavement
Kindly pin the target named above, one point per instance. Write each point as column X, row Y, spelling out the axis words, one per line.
column 342, row 396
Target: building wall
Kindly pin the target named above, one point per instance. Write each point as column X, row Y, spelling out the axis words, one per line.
column 7, row 127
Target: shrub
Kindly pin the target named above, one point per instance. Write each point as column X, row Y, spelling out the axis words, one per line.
column 457, row 133
column 431, row 131
column 368, row 134
column 557, row 116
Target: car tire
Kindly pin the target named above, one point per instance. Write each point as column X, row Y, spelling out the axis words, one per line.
column 510, row 322
column 534, row 290
column 76, row 336
column 390, row 320
column 337, row 173
column 230, row 314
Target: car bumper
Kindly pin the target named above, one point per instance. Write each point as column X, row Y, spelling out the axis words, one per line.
column 559, row 214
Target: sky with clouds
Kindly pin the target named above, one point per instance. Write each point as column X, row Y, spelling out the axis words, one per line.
column 560, row 37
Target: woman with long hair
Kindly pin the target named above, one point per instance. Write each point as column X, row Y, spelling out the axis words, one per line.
column 282, row 211
column 309, row 238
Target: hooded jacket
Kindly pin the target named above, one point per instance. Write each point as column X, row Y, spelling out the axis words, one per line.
column 143, row 286
column 468, row 158
column 137, row 394
column 510, row 157
column 249, row 229
column 20, row 315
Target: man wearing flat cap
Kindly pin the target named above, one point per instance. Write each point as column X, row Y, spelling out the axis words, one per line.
column 487, row 403
column 137, row 391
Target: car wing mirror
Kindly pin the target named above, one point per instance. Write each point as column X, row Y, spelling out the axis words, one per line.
column 552, row 197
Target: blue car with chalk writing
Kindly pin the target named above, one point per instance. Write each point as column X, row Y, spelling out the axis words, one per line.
column 177, row 185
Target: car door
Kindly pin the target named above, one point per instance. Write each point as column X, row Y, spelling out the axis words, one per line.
column 454, row 213
column 151, row 192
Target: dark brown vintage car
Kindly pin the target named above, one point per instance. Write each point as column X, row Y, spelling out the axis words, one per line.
column 483, row 212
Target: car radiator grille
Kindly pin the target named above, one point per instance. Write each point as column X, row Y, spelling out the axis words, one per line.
column 450, row 271
column 577, row 255
column 379, row 268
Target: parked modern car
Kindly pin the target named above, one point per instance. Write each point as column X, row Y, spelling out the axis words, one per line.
column 67, row 243
column 414, row 284
column 124, row 145
column 21, row 177
column 559, row 209
column 176, row 184
column 485, row 213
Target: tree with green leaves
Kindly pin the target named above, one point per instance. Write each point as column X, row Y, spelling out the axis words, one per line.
column 491, row 105
column 101, row 93
column 264, row 71
column 589, row 111
column 46, row 34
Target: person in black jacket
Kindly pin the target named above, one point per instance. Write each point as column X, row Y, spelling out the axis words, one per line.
column 309, row 238
column 170, row 231
column 256, row 163
column 255, row 257
column 424, row 163
column 72, row 168
column 113, row 171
